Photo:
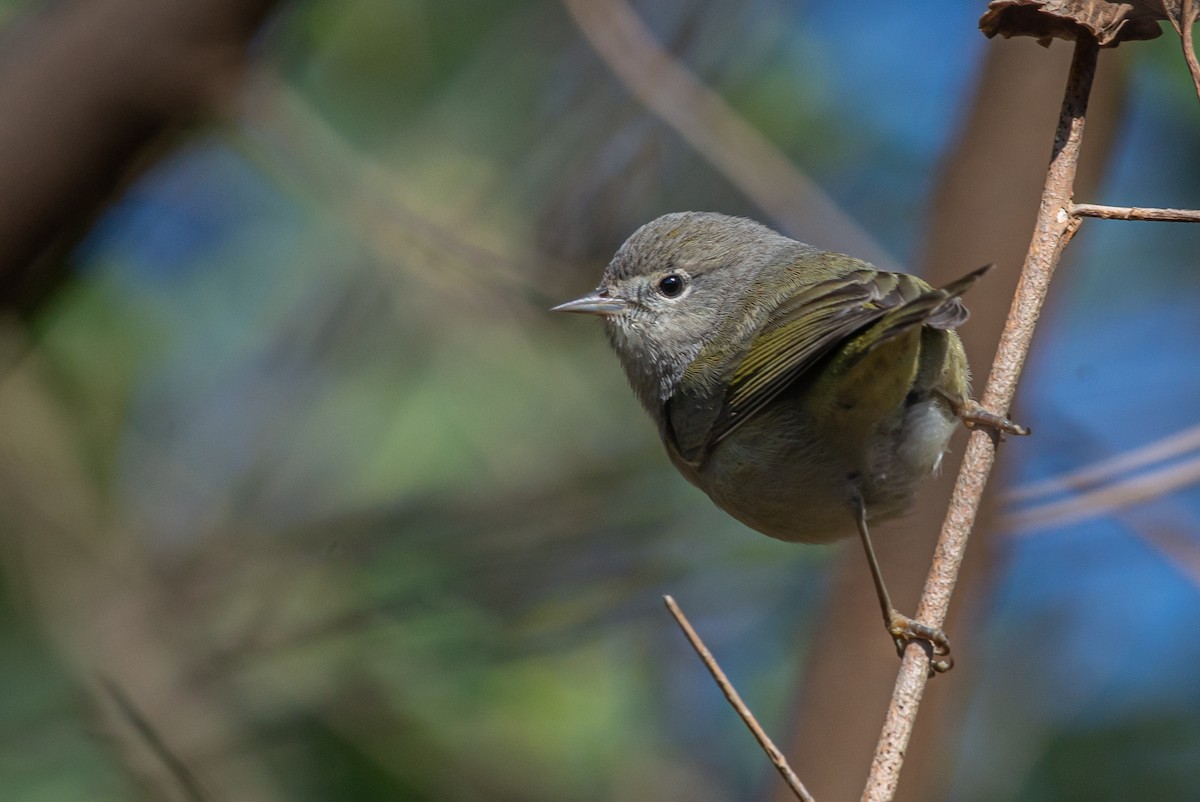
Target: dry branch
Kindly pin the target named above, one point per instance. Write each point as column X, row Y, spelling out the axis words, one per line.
column 776, row 757
column 697, row 114
column 1184, row 19
column 1135, row 213
column 1054, row 228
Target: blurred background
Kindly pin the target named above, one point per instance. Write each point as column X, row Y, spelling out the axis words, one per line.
column 305, row 496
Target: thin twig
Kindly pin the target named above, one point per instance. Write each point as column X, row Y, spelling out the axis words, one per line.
column 718, row 133
column 1054, row 229
column 1183, row 25
column 189, row 785
column 731, row 694
column 1188, row 13
column 1135, row 213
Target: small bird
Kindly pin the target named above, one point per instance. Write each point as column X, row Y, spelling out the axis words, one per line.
column 805, row 392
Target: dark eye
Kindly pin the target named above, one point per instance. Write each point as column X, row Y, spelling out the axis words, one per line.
column 671, row 285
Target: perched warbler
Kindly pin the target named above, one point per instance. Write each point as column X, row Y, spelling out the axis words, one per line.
column 806, row 392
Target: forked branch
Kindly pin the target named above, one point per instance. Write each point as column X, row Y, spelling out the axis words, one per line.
column 1059, row 217
column 698, row 115
column 1184, row 20
column 1054, row 228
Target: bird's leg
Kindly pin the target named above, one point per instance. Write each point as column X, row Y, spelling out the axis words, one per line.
column 902, row 628
column 974, row 416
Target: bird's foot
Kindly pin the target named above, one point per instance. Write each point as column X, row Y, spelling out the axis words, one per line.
column 905, row 630
column 974, row 416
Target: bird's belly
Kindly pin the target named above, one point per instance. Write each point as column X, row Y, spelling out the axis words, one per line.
column 907, row 457
column 801, row 487
column 781, row 481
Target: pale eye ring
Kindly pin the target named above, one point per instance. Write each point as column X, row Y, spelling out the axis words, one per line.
column 671, row 285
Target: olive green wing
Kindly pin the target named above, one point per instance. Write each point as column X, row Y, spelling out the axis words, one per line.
column 721, row 389
column 803, row 329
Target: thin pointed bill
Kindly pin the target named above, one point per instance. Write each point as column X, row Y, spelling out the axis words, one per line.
column 593, row 305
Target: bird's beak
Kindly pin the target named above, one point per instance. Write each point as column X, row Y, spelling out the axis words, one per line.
column 594, row 305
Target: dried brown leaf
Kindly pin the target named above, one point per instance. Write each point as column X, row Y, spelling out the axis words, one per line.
column 1109, row 22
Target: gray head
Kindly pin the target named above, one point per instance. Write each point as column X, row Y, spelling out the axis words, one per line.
column 670, row 286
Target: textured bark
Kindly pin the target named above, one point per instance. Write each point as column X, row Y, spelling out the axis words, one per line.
column 982, row 211
column 1053, row 230
column 981, row 208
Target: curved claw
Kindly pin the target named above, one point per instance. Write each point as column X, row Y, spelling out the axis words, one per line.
column 974, row 416
column 905, row 630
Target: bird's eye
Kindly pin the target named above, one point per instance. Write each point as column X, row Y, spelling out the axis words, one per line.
column 671, row 285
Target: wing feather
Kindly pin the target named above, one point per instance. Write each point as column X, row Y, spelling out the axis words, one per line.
column 803, row 329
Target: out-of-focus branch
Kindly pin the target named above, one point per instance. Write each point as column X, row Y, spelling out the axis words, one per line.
column 101, row 603
column 706, row 122
column 735, row 699
column 1100, row 489
column 1175, row 545
column 189, row 786
column 1054, row 228
column 291, row 143
column 1106, row 499
column 87, row 91
column 1170, row 446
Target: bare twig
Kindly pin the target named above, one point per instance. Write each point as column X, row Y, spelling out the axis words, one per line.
column 1188, row 13
column 1054, row 228
column 1135, row 213
column 731, row 694
column 718, row 133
